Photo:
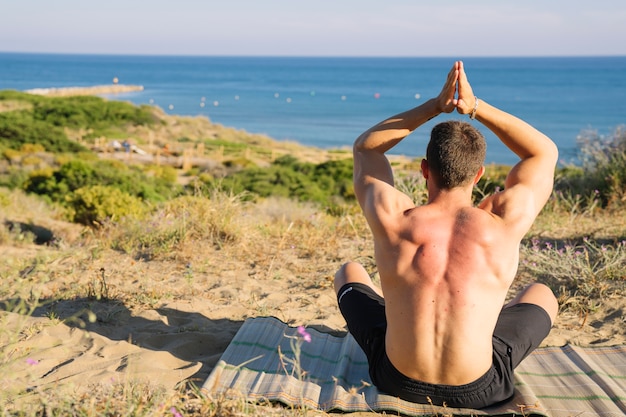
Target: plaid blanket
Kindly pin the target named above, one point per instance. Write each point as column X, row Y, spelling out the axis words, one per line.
column 268, row 360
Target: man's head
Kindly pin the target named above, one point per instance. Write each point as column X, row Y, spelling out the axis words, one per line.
column 455, row 154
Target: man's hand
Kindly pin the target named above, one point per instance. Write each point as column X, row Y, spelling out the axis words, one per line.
column 466, row 100
column 445, row 100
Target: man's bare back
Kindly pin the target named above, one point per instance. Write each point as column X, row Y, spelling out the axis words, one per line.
column 442, row 307
column 437, row 328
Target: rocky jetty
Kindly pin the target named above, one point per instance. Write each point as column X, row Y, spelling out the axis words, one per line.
column 85, row 91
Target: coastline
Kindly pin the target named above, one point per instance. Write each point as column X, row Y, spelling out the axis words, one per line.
column 326, row 120
column 85, row 91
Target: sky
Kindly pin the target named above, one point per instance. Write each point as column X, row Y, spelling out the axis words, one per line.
column 315, row 27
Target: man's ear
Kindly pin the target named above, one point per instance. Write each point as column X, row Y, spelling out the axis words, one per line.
column 424, row 167
column 479, row 175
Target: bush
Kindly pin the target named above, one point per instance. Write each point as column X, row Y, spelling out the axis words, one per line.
column 602, row 175
column 13, row 178
column 43, row 119
column 76, row 174
column 93, row 205
column 19, row 128
column 90, row 112
column 291, row 178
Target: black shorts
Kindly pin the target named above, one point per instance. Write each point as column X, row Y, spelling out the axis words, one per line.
column 519, row 330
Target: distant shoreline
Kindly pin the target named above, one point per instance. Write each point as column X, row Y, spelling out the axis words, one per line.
column 85, row 91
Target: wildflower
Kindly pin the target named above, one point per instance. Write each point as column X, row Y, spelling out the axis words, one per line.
column 175, row 412
column 535, row 243
column 32, row 361
column 305, row 335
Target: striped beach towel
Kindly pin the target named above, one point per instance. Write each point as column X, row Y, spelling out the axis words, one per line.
column 268, row 360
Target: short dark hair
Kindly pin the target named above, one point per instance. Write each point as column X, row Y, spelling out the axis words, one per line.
column 455, row 153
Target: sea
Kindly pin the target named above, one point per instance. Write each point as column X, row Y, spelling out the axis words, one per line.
column 327, row 102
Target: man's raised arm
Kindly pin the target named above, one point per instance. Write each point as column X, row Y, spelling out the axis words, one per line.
column 529, row 184
column 371, row 167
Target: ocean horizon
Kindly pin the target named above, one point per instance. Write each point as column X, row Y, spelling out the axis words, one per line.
column 328, row 101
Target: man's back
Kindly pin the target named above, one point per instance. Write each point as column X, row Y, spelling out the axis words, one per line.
column 445, row 272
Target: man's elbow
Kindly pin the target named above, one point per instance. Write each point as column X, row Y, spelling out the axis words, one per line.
column 359, row 143
column 552, row 152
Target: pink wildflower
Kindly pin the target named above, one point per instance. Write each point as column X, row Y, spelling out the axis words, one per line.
column 32, row 361
column 305, row 335
column 175, row 412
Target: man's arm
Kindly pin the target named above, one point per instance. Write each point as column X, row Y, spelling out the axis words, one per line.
column 529, row 183
column 373, row 177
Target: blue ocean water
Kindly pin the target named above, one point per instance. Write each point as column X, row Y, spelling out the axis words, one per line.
column 328, row 102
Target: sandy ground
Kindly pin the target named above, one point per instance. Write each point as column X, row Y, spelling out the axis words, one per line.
column 181, row 320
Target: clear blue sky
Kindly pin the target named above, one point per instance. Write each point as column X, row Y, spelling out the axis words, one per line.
column 315, row 27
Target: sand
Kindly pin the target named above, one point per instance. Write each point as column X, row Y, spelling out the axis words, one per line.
column 177, row 332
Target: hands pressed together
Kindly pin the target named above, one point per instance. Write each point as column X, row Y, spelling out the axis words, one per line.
column 456, row 92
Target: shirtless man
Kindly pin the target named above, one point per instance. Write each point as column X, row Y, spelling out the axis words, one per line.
column 441, row 333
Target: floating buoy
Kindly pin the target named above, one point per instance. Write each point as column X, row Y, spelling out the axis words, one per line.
column 343, row 98
column 115, row 80
column 171, row 107
column 202, row 104
column 288, row 100
column 417, row 96
column 276, row 95
column 216, row 103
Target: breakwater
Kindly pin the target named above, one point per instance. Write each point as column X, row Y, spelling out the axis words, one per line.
column 85, row 91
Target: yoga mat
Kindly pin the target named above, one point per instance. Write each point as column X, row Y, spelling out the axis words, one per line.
column 267, row 361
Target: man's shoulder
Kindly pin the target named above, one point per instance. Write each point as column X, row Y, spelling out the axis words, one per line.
column 514, row 208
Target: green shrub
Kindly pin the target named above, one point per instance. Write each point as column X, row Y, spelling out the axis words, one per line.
column 32, row 148
column 90, row 112
column 19, row 128
column 18, row 96
column 93, row 205
column 11, row 155
column 164, row 173
column 288, row 177
column 77, row 173
column 13, row 178
column 43, row 119
column 4, row 198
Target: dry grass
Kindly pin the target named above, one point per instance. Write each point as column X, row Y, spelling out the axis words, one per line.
column 582, row 256
column 269, row 238
column 189, row 247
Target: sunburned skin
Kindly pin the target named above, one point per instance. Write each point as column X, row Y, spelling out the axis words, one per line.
column 442, row 306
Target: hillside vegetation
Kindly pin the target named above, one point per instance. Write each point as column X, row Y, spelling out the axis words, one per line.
column 100, row 200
